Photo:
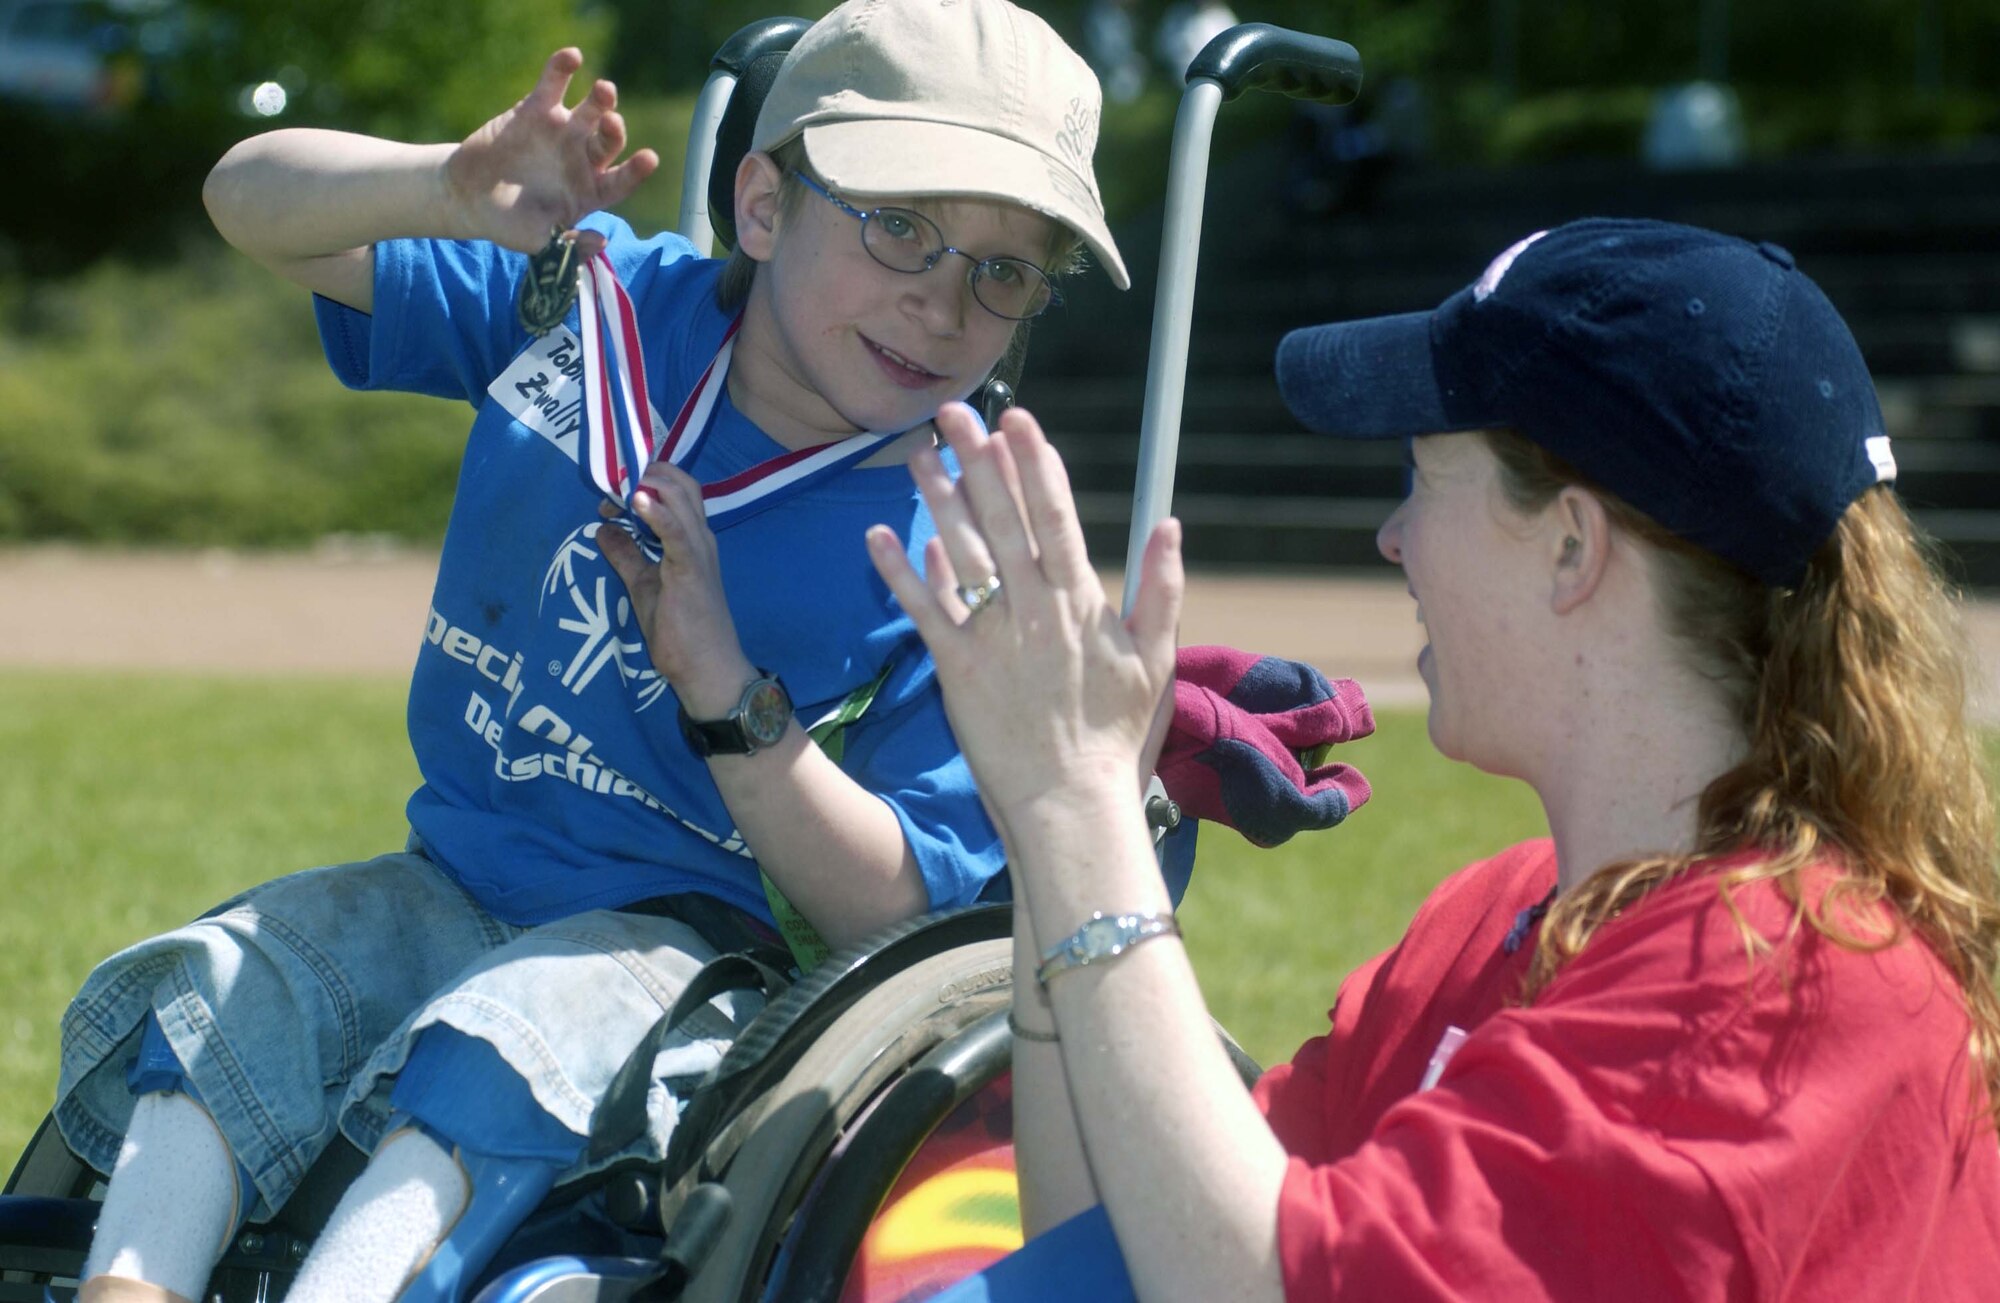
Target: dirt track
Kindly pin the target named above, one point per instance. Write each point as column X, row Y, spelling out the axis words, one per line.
column 343, row 610
column 347, row 611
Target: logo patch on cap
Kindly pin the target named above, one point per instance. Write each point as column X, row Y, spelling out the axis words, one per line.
column 1078, row 136
column 1884, row 460
column 1489, row 280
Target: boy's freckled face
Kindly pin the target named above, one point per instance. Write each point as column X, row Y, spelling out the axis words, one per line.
column 885, row 348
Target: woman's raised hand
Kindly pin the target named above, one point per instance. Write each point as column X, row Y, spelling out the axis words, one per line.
column 539, row 166
column 1048, row 690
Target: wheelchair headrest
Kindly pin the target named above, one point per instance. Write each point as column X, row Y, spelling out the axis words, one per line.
column 754, row 56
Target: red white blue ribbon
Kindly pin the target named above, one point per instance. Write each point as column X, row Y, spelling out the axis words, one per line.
column 619, row 437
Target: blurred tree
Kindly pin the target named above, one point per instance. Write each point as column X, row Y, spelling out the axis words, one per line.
column 1502, row 78
column 1853, row 73
column 409, row 69
column 665, row 45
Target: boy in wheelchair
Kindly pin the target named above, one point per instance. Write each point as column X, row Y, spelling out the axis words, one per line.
column 459, row 1008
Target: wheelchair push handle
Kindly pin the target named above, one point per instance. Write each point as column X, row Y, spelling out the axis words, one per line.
column 1258, row 56
column 1249, row 56
column 751, row 43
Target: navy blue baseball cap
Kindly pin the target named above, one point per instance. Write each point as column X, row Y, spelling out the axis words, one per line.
column 1703, row 379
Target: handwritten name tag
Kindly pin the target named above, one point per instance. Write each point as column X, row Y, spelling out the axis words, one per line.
column 543, row 389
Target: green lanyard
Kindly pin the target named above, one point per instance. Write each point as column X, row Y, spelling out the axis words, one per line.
column 809, row 949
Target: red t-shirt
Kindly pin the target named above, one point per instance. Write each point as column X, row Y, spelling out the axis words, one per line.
column 1667, row 1121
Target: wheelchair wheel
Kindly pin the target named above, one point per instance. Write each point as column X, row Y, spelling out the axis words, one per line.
column 795, row 1124
column 882, row 1167
column 921, row 1191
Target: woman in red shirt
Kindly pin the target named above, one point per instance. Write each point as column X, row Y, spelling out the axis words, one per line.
column 1731, row 1030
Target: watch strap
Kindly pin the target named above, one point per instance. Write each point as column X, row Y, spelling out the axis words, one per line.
column 714, row 737
column 730, row 735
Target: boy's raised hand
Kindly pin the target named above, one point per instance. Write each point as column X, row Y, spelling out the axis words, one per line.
column 540, row 166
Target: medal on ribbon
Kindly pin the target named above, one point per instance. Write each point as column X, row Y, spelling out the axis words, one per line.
column 619, row 435
column 549, row 287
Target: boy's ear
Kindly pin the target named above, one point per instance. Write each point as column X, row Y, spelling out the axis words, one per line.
column 759, row 182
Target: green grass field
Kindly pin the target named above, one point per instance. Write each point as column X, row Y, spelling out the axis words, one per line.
column 131, row 803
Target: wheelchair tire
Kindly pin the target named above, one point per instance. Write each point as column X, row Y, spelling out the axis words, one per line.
column 821, row 1248
column 794, row 1125
column 822, row 1245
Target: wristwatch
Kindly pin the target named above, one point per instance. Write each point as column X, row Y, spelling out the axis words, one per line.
column 760, row 719
column 1103, row 936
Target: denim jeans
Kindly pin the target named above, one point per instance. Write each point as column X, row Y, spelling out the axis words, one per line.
column 293, row 1005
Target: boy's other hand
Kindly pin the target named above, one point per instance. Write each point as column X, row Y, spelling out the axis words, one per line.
column 679, row 602
column 540, row 166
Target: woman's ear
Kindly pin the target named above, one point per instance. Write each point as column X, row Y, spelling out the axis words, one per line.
column 759, row 182
column 1579, row 540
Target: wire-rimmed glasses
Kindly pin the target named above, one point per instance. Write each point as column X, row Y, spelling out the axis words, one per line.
column 909, row 242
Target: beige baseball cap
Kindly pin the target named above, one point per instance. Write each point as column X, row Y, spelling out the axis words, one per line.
column 962, row 98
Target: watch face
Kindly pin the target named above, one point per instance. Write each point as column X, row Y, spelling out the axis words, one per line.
column 767, row 712
column 1102, row 934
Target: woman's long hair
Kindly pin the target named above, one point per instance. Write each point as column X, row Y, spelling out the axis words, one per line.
column 1852, row 689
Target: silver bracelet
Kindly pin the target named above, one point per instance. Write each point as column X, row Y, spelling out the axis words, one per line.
column 1103, row 936
column 1022, row 1033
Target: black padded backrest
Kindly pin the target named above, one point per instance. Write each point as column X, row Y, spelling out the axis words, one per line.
column 754, row 55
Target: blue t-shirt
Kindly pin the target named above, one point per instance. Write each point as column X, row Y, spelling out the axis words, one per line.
column 555, row 777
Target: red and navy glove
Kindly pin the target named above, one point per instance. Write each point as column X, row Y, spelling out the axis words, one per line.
column 1248, row 742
